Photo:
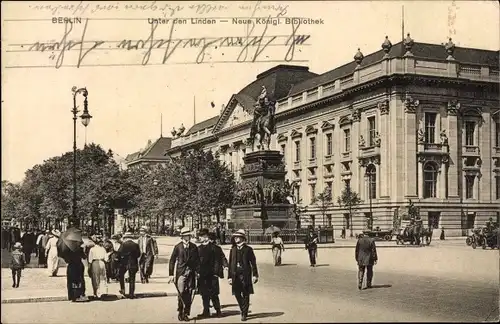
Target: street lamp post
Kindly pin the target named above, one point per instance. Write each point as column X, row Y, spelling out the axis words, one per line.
column 85, row 121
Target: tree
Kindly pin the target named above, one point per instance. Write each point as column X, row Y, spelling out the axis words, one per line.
column 350, row 200
column 324, row 201
column 47, row 189
column 209, row 186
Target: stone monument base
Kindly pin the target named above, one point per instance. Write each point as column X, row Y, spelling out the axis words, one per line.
column 262, row 217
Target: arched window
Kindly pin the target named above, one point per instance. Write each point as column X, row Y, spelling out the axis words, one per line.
column 430, row 180
column 371, row 174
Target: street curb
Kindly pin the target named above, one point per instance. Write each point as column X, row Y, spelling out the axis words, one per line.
column 61, row 298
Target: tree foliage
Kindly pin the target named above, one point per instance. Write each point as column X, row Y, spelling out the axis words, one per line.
column 196, row 185
column 324, row 201
column 46, row 193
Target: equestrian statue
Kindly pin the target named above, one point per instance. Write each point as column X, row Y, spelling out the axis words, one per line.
column 263, row 120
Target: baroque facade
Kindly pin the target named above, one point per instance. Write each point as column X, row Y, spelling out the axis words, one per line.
column 411, row 121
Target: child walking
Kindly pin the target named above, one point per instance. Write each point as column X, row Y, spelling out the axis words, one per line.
column 17, row 263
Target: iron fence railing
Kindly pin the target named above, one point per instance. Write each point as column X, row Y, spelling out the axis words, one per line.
column 290, row 236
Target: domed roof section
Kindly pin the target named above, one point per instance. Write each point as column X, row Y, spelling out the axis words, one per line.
column 278, row 81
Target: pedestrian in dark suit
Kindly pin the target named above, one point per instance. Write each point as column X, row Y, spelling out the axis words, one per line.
column 220, row 264
column 366, row 257
column 149, row 250
column 129, row 253
column 185, row 254
column 311, row 243
column 208, row 283
column 242, row 273
column 28, row 241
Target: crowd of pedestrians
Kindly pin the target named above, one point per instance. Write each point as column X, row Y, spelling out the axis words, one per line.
column 192, row 269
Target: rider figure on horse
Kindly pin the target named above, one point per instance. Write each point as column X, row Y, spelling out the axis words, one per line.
column 263, row 121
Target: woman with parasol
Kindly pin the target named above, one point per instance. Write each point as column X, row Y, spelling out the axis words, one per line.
column 51, row 253
column 70, row 247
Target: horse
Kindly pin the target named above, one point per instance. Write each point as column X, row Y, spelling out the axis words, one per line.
column 262, row 129
column 414, row 233
column 426, row 234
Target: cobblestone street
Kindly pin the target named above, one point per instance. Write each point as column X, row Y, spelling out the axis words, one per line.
column 435, row 283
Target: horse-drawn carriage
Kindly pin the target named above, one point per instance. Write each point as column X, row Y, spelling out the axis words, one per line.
column 415, row 234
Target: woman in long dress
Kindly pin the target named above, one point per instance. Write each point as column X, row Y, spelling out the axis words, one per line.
column 51, row 253
column 277, row 247
column 97, row 262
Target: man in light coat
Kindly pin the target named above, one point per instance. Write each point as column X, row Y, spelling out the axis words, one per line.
column 366, row 257
column 149, row 250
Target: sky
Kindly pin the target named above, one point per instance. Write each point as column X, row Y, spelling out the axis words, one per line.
column 126, row 102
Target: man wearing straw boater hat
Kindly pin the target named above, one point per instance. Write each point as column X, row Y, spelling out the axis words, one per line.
column 185, row 254
column 242, row 273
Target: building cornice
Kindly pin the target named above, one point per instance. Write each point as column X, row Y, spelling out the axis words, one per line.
column 400, row 80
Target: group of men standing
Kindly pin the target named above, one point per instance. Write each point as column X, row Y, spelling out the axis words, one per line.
column 199, row 268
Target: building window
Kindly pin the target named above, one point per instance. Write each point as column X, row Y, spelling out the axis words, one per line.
column 430, row 180
column 297, row 151
column 371, row 174
column 469, row 132
column 347, row 140
column 329, row 220
column 497, row 182
column 312, row 143
column 430, row 127
column 329, row 144
column 433, row 218
column 329, row 187
column 313, row 192
column 469, row 187
column 471, row 220
column 497, row 133
column 231, row 161
column 372, row 131
column 347, row 183
column 283, row 149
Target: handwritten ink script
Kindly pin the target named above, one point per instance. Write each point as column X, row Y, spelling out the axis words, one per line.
column 158, row 8
column 75, row 48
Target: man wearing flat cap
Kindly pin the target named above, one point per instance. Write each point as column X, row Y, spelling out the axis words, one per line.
column 242, row 273
column 185, row 255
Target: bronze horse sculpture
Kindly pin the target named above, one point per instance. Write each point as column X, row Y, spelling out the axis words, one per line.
column 263, row 123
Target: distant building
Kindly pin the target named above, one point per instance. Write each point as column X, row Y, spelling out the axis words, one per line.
column 411, row 121
column 153, row 153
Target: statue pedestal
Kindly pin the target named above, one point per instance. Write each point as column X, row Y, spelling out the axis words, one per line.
column 262, row 194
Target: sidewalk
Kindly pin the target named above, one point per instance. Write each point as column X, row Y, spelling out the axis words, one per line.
column 37, row 286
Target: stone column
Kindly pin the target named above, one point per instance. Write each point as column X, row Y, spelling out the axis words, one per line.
column 410, row 136
column 356, row 180
column 383, row 179
column 420, row 171
column 442, row 180
column 454, row 149
column 486, row 143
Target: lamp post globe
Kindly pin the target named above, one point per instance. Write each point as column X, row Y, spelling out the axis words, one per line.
column 85, row 119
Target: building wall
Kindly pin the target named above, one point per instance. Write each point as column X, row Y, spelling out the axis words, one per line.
column 399, row 158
